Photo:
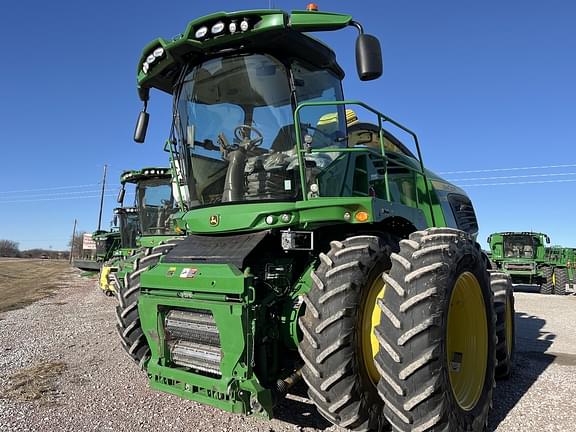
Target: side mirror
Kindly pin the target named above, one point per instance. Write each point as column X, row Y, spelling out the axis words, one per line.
column 115, row 220
column 368, row 57
column 121, row 194
column 141, row 127
column 488, row 239
column 547, row 239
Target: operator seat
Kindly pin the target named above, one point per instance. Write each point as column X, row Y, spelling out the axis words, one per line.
column 285, row 139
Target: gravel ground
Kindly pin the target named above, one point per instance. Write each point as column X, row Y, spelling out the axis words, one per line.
column 66, row 345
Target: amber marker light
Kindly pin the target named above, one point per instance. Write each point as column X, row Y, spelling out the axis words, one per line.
column 312, row 7
column 361, row 216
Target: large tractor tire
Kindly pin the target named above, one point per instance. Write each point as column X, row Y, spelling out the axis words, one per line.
column 338, row 344
column 437, row 335
column 505, row 327
column 128, row 321
column 547, row 286
column 560, row 280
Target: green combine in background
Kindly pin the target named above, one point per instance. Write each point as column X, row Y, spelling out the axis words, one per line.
column 561, row 260
column 316, row 244
column 143, row 225
column 522, row 255
column 525, row 257
column 107, row 243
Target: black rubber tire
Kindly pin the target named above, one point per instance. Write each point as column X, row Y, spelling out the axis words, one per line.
column 501, row 285
column 128, row 321
column 560, row 280
column 331, row 350
column 547, row 286
column 412, row 359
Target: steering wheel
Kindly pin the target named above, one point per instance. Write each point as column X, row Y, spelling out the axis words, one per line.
column 244, row 132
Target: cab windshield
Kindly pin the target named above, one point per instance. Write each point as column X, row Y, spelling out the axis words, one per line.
column 519, row 247
column 235, row 121
column 155, row 205
column 128, row 225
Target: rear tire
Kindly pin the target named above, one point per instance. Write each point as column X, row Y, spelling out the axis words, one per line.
column 505, row 327
column 560, row 280
column 547, row 286
column 128, row 320
column 436, row 282
column 333, row 349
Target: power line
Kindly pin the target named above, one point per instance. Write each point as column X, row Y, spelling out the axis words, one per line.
column 508, row 169
column 511, row 177
column 56, row 199
column 50, row 188
column 65, row 193
column 519, row 183
column 116, row 185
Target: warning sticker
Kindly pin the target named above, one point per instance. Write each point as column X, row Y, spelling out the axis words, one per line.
column 188, row 273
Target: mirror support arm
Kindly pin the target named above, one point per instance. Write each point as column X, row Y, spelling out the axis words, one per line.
column 358, row 26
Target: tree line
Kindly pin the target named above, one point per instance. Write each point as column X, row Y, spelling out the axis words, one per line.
column 10, row 249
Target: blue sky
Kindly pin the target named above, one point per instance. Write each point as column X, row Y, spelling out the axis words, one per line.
column 486, row 85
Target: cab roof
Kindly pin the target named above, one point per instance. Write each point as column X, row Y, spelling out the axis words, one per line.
column 268, row 31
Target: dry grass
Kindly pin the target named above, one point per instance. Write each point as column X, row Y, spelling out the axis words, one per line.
column 24, row 281
column 34, row 383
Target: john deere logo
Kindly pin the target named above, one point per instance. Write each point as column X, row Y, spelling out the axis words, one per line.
column 214, row 220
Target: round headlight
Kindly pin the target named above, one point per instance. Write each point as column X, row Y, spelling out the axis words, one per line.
column 145, row 67
column 285, row 217
column 150, row 58
column 347, row 216
column 314, row 188
column 201, row 32
column 158, row 52
column 269, row 219
column 232, row 27
column 244, row 25
column 218, row 27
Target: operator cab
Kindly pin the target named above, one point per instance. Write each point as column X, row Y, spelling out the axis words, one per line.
column 236, row 127
column 155, row 204
column 128, row 223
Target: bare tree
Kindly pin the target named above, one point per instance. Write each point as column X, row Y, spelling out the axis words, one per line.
column 9, row 248
column 78, row 241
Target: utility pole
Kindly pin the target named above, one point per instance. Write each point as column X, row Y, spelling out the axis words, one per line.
column 102, row 197
column 73, row 238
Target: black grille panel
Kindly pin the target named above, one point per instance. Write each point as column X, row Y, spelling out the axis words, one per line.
column 463, row 213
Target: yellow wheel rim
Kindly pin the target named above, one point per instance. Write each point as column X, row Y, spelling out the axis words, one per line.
column 370, row 319
column 509, row 323
column 467, row 341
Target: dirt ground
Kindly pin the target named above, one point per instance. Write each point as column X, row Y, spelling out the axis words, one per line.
column 24, row 281
column 62, row 369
